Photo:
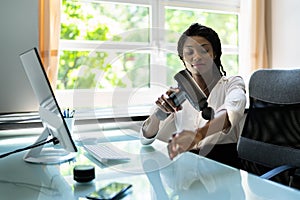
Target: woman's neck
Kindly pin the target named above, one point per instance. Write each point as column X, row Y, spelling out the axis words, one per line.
column 207, row 81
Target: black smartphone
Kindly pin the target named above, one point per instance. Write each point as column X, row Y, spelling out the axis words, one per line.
column 114, row 190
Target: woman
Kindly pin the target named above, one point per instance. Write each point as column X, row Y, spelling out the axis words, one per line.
column 199, row 48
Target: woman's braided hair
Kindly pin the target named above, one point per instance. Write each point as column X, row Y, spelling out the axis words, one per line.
column 209, row 34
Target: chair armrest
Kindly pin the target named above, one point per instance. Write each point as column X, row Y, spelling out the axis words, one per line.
column 270, row 174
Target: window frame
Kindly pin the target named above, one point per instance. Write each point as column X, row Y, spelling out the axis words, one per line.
column 157, row 8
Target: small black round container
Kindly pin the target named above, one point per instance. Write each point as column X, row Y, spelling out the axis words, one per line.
column 83, row 173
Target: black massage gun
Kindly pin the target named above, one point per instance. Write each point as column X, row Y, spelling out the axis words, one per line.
column 188, row 89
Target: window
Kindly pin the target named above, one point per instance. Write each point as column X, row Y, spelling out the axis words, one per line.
column 121, row 54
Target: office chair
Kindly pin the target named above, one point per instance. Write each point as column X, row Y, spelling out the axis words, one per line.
column 269, row 145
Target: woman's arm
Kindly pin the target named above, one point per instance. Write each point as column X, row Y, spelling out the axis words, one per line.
column 163, row 130
column 160, row 118
column 150, row 127
column 187, row 140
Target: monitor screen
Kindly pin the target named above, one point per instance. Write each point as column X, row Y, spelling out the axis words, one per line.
column 50, row 114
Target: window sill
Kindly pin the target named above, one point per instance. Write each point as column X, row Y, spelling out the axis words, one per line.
column 109, row 118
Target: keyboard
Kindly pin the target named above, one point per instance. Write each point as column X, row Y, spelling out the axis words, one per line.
column 105, row 152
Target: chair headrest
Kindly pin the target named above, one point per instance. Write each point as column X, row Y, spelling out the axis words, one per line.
column 277, row 86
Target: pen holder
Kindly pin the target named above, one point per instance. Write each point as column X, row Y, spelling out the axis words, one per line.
column 70, row 123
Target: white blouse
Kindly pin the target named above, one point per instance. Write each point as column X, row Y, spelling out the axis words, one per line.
column 228, row 94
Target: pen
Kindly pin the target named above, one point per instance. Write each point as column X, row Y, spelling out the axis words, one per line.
column 71, row 114
column 68, row 113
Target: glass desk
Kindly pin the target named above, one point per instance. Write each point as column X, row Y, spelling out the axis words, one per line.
column 150, row 171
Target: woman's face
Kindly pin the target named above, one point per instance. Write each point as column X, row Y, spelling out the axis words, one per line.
column 198, row 55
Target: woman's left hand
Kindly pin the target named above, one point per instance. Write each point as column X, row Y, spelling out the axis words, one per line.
column 181, row 142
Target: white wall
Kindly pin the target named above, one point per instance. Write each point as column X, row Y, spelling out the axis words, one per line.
column 284, row 32
column 19, row 32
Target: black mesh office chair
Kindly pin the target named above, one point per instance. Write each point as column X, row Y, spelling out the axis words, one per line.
column 270, row 139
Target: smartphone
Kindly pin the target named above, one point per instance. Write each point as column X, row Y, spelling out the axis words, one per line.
column 114, row 190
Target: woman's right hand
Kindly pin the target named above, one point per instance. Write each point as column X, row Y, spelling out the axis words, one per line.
column 184, row 141
column 166, row 104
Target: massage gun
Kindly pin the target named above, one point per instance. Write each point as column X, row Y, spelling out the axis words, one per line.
column 188, row 89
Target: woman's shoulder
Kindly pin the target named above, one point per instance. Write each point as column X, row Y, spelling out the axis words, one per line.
column 232, row 80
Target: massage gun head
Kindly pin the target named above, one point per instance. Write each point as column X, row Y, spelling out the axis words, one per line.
column 188, row 89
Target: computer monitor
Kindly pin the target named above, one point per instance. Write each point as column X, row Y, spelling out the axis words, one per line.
column 50, row 114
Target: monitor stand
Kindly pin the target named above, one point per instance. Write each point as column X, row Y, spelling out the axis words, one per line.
column 47, row 155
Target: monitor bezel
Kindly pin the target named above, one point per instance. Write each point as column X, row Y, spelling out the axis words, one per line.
column 53, row 123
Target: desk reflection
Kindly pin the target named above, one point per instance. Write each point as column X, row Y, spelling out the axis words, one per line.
column 20, row 180
column 192, row 177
